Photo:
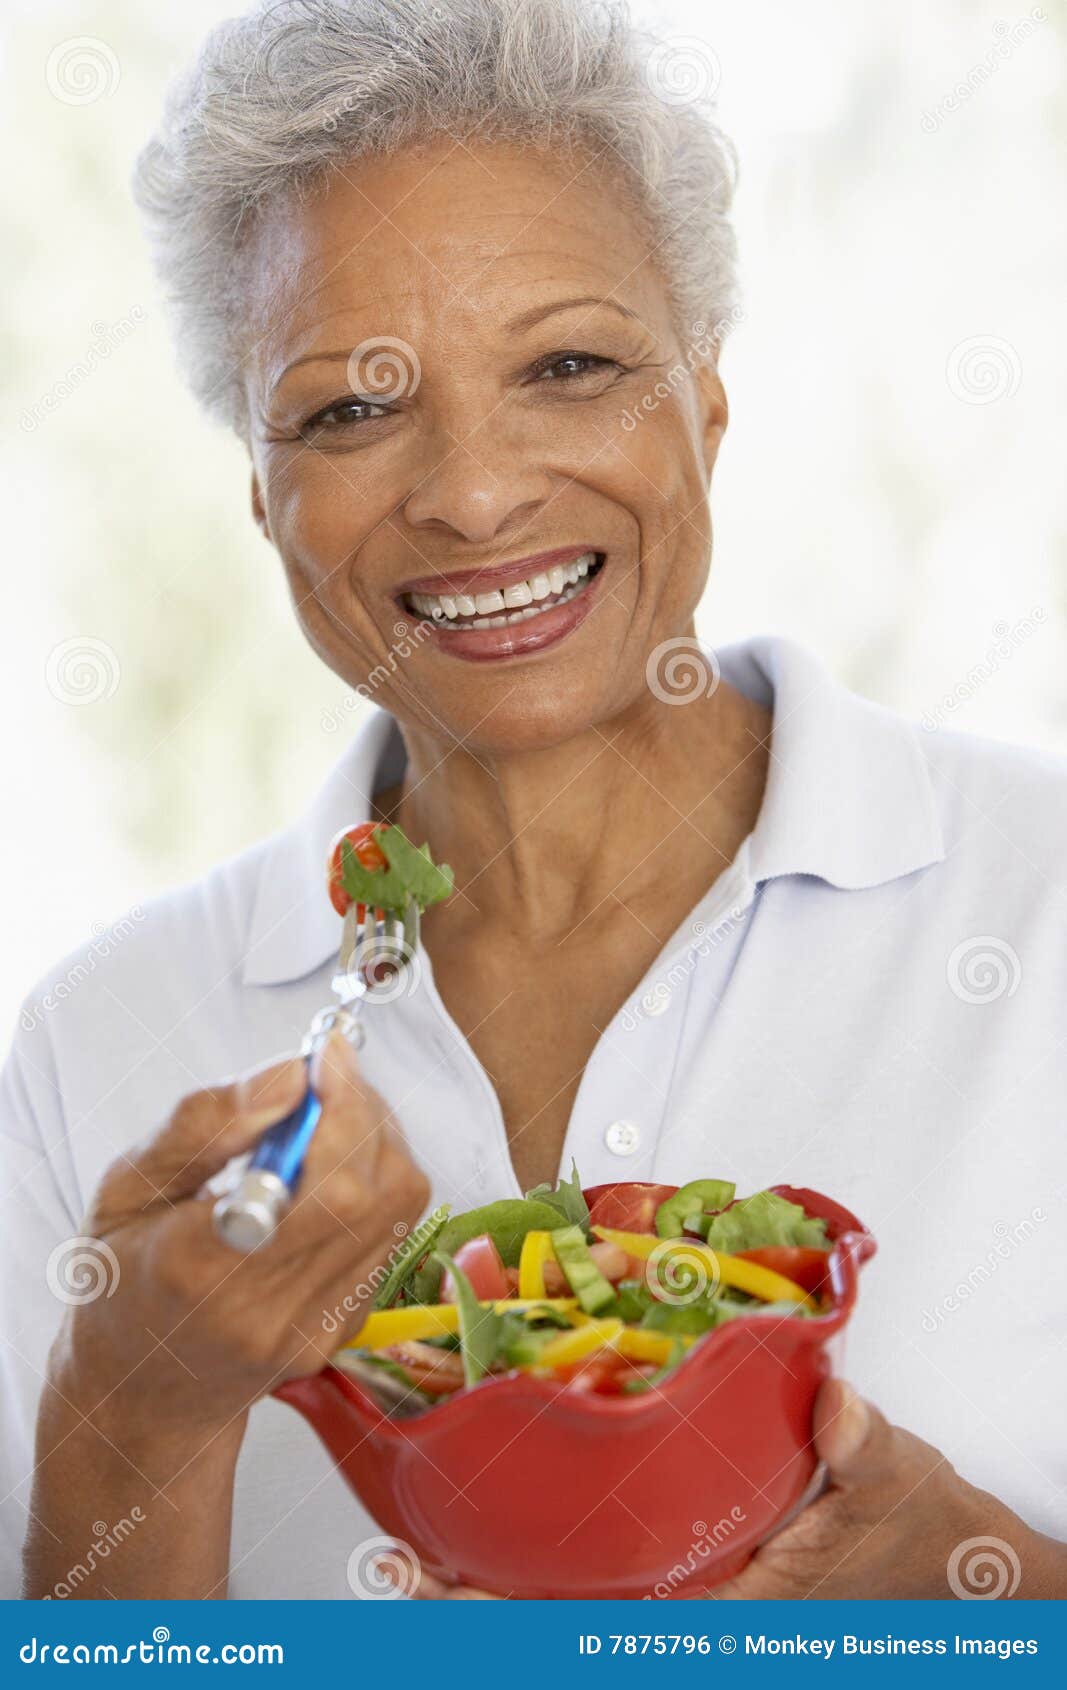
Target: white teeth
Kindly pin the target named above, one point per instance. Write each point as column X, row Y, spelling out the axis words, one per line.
column 520, row 600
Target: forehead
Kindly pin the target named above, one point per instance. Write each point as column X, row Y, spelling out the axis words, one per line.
column 453, row 235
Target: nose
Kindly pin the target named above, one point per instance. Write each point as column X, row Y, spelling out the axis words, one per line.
column 478, row 488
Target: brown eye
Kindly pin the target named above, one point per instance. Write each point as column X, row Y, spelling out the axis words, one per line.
column 343, row 413
column 569, row 366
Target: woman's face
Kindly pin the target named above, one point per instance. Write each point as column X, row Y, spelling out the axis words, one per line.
column 530, row 395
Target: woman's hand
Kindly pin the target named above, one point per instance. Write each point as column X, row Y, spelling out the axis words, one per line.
column 891, row 1520
column 149, row 1387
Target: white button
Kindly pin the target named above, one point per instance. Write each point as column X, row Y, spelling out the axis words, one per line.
column 622, row 1137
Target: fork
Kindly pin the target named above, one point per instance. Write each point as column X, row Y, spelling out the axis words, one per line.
column 247, row 1215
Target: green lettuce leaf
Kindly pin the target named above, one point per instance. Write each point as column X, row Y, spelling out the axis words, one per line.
column 411, row 873
column 566, row 1198
column 762, row 1219
column 507, row 1222
column 408, row 1255
column 481, row 1330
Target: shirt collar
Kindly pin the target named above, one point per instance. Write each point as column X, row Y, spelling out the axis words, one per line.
column 848, row 799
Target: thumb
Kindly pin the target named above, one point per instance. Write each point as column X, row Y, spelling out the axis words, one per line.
column 206, row 1129
column 849, row 1434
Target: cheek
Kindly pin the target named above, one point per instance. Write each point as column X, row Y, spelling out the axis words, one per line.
column 654, row 466
column 319, row 513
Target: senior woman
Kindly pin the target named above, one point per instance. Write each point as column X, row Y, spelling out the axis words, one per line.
column 458, row 276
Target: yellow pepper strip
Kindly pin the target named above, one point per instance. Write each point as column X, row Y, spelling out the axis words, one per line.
column 637, row 1343
column 397, row 1326
column 574, row 1346
column 536, row 1251
column 758, row 1281
column 434, row 1320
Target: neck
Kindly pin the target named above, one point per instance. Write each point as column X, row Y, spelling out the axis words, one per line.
column 545, row 839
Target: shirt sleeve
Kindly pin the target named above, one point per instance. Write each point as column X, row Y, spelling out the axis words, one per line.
column 38, row 1221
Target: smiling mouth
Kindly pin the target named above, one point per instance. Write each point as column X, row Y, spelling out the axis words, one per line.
column 521, row 601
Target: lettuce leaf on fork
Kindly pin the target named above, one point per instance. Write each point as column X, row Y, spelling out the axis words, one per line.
column 411, row 873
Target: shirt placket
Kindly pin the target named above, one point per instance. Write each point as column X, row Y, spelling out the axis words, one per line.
column 624, row 1097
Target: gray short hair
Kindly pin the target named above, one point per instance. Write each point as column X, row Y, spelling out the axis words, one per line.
column 279, row 96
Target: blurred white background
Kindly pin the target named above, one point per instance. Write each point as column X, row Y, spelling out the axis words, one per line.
column 890, row 492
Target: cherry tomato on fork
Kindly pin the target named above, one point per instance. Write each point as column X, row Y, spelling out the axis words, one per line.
column 370, row 854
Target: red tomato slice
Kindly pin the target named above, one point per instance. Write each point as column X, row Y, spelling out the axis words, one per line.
column 627, row 1207
column 367, row 850
column 805, row 1267
column 603, row 1374
column 480, row 1260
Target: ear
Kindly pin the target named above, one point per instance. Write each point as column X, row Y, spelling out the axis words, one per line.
column 714, row 411
column 259, row 509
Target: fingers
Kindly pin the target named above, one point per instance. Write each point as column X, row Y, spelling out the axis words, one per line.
column 206, row 1129
column 359, row 1182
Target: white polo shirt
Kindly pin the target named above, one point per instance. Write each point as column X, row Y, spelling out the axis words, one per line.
column 871, row 1000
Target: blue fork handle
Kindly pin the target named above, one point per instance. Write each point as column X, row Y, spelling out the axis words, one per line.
column 247, row 1216
column 282, row 1148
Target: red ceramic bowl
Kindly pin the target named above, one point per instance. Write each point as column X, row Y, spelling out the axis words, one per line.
column 526, row 1489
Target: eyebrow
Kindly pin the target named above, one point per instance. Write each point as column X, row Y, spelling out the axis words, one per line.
column 528, row 318
column 525, row 320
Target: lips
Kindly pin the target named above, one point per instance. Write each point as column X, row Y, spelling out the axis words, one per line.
column 526, row 616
